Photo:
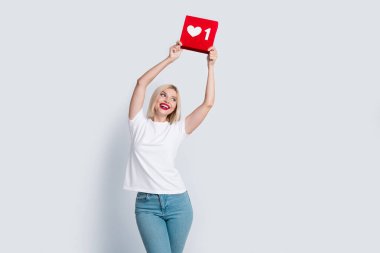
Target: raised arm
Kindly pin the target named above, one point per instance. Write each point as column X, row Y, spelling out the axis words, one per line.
column 137, row 100
column 194, row 119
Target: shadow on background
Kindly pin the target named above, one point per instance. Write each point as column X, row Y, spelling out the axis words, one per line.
column 118, row 231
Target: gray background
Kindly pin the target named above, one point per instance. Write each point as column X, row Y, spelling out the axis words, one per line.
column 287, row 160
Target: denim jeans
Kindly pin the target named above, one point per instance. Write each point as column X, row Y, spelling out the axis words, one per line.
column 164, row 221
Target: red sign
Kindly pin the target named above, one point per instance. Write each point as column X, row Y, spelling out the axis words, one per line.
column 198, row 34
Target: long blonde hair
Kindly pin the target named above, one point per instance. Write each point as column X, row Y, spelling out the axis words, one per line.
column 176, row 114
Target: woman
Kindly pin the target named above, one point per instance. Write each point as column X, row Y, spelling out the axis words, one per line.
column 163, row 208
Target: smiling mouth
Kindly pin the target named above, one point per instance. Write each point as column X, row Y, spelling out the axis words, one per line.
column 164, row 106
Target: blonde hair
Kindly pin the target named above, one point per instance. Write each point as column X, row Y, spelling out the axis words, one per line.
column 176, row 114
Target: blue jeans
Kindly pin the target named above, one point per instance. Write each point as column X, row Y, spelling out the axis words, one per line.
column 164, row 221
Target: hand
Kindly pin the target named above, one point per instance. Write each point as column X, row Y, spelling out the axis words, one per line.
column 212, row 56
column 175, row 51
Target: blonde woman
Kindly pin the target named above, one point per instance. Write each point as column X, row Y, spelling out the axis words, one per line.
column 163, row 209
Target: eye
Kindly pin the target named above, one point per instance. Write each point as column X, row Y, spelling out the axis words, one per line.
column 163, row 95
column 174, row 99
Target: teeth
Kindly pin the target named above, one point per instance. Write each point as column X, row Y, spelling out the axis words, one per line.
column 164, row 106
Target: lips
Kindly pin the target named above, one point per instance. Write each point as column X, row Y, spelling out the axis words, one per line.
column 164, row 106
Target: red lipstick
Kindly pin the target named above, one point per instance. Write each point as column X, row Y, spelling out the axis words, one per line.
column 164, row 106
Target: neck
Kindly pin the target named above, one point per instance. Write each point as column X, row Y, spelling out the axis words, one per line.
column 158, row 118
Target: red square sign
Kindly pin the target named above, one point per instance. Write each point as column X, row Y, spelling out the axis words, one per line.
column 198, row 34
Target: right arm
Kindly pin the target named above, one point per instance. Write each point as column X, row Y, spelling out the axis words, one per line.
column 137, row 100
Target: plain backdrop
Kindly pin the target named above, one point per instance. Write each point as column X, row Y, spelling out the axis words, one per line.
column 287, row 161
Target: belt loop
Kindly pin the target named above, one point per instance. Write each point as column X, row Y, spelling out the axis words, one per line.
column 147, row 196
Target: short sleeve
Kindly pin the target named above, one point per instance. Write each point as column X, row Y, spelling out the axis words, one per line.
column 136, row 122
column 182, row 129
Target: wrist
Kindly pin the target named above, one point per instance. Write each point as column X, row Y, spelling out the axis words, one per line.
column 169, row 59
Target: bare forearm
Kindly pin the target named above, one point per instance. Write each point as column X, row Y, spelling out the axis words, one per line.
column 148, row 76
column 210, row 87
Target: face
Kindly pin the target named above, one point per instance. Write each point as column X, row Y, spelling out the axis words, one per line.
column 166, row 102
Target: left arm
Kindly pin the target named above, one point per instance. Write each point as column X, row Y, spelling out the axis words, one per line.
column 194, row 119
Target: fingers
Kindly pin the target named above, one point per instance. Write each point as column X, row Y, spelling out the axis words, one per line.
column 175, row 48
column 212, row 53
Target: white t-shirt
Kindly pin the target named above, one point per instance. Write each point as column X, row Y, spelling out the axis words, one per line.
column 154, row 146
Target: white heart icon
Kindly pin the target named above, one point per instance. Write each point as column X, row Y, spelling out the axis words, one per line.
column 194, row 31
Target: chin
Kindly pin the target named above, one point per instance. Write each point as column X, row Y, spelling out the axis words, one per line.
column 163, row 112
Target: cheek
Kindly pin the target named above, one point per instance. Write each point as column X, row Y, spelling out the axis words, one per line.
column 159, row 101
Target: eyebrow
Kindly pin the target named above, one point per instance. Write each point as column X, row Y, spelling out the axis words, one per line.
column 167, row 94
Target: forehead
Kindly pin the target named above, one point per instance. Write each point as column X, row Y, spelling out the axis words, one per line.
column 170, row 92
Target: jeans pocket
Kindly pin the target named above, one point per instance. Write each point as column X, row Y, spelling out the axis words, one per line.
column 141, row 195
